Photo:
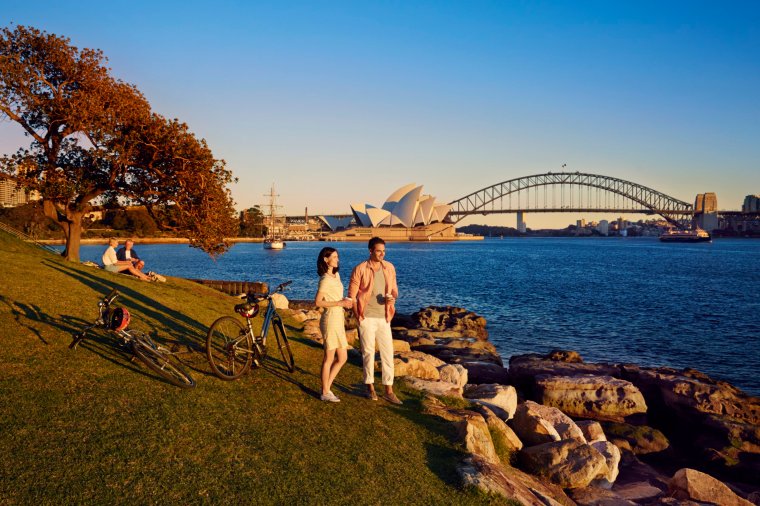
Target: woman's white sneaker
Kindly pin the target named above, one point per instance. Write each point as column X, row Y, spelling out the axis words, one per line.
column 329, row 397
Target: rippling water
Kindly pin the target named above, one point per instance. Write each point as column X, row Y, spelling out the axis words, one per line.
column 622, row 300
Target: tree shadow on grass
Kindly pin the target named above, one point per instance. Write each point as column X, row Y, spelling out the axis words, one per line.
column 180, row 327
column 33, row 313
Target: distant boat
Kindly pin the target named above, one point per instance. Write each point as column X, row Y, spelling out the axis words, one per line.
column 675, row 235
column 273, row 240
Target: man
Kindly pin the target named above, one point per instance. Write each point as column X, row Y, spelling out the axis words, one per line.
column 127, row 253
column 111, row 263
column 373, row 290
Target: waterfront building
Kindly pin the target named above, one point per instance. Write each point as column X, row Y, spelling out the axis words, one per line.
column 751, row 204
column 522, row 226
column 406, row 207
column 12, row 195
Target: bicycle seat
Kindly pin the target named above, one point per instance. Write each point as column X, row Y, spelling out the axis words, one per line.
column 247, row 309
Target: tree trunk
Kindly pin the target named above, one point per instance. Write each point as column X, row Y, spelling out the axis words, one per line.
column 71, row 223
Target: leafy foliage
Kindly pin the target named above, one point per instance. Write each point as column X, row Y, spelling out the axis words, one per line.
column 96, row 136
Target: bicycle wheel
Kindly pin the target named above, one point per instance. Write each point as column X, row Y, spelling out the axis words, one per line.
column 229, row 348
column 159, row 361
column 283, row 344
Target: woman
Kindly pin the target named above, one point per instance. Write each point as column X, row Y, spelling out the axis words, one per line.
column 330, row 297
column 113, row 264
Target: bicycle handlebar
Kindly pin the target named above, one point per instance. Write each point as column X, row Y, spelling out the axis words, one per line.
column 108, row 299
column 261, row 295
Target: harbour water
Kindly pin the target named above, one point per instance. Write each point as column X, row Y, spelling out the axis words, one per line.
column 619, row 300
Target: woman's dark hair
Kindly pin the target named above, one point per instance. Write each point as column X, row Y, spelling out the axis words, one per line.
column 321, row 264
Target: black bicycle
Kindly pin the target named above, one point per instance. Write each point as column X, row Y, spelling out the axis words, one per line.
column 157, row 357
column 232, row 347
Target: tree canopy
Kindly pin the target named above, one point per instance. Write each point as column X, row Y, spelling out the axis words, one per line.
column 94, row 136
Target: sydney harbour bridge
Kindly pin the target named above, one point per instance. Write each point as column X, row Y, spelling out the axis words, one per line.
column 571, row 192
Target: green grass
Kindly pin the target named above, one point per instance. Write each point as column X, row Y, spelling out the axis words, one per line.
column 91, row 426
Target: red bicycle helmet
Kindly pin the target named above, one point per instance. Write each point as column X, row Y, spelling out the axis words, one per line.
column 119, row 319
column 247, row 310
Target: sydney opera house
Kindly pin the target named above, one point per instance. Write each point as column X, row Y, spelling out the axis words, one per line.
column 406, row 214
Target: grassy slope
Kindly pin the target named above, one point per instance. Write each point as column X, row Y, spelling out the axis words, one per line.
column 91, row 426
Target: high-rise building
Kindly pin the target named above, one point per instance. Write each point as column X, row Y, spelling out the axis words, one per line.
column 522, row 227
column 604, row 227
column 12, row 195
column 751, row 204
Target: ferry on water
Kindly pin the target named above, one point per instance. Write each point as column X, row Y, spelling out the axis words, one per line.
column 675, row 235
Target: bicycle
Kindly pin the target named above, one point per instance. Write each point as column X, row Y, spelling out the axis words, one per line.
column 232, row 348
column 153, row 355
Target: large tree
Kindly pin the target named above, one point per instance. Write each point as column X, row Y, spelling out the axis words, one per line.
column 94, row 136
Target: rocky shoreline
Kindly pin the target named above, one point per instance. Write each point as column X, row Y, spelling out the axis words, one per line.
column 553, row 429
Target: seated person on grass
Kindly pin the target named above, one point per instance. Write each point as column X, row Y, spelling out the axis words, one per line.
column 127, row 253
column 113, row 264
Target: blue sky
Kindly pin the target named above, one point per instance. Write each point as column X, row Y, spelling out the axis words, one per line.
column 337, row 102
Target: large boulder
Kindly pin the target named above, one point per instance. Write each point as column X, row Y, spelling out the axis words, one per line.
column 417, row 364
column 495, row 479
column 568, row 463
column 592, row 430
column 440, row 318
column 689, row 392
column 638, row 439
column 502, row 399
column 472, row 429
column 453, row 373
column 400, row 346
column 523, row 369
column 588, row 396
column 440, row 388
column 612, row 456
column 484, row 372
column 280, row 301
column 537, row 424
column 688, row 484
column 504, row 438
column 531, row 427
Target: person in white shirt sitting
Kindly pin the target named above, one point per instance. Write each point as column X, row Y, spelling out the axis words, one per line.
column 113, row 264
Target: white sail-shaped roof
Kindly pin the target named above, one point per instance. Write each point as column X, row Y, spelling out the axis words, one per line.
column 425, row 210
column 377, row 215
column 336, row 223
column 406, row 209
column 360, row 213
column 395, row 197
column 440, row 212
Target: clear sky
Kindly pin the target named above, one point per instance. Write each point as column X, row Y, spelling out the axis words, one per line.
column 340, row 102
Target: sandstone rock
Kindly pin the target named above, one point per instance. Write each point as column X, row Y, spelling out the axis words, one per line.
column 690, row 484
column 568, row 356
column 693, row 392
column 458, row 355
column 417, row 364
column 503, row 397
column 639, row 439
column 568, row 463
column 473, row 432
column 434, row 387
column 455, row 374
column 352, row 337
column 483, row 372
column 504, row 438
column 494, row 479
column 587, row 396
column 450, row 318
column 280, row 301
column 531, row 427
column 641, row 491
column 592, row 430
column 535, row 415
column 300, row 316
column 401, row 346
column 611, row 454
column 523, row 369
column 597, row 496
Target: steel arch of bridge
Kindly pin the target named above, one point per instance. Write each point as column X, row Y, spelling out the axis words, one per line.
column 673, row 210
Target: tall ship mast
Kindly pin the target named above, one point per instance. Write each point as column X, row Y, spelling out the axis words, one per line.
column 273, row 239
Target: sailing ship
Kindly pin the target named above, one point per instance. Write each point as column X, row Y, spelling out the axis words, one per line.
column 695, row 235
column 273, row 239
